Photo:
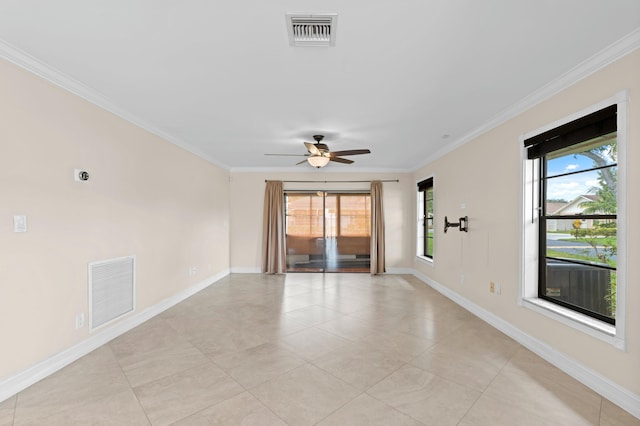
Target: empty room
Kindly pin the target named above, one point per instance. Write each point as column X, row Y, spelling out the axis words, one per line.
column 331, row 213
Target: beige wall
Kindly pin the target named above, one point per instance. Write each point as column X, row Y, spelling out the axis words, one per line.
column 247, row 198
column 484, row 174
column 146, row 197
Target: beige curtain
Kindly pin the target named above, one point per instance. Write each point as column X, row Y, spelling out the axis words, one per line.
column 377, row 229
column 273, row 233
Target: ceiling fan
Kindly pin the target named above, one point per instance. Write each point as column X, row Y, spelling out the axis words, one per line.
column 319, row 154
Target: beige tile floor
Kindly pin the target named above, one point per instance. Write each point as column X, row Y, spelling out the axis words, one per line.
column 305, row 349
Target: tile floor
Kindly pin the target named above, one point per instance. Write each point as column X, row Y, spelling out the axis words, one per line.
column 305, row 349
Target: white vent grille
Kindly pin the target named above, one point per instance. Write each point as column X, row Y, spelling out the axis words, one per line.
column 312, row 30
column 111, row 290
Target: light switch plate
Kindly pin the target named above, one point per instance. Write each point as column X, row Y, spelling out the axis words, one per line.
column 19, row 223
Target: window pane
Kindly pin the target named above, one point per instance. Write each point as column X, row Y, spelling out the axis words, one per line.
column 304, row 215
column 587, row 287
column 331, row 215
column 355, row 215
column 589, row 192
column 429, row 216
column 598, row 152
column 585, row 240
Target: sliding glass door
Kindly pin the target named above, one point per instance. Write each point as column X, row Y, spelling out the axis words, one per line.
column 328, row 231
column 305, row 232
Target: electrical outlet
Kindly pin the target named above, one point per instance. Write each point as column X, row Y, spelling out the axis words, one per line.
column 461, row 278
column 193, row 271
column 492, row 287
column 79, row 321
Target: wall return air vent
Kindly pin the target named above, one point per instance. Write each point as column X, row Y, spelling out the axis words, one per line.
column 312, row 30
column 111, row 290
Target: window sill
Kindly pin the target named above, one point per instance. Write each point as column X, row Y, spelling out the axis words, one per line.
column 425, row 260
column 591, row 326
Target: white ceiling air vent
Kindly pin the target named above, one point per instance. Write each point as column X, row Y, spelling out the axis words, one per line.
column 312, row 30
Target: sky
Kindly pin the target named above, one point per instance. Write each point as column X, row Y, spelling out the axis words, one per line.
column 569, row 187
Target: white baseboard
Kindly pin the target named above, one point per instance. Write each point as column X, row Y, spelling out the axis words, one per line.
column 22, row 380
column 399, row 271
column 245, row 270
column 253, row 270
column 598, row 383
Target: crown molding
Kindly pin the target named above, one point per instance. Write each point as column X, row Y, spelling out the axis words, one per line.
column 606, row 56
column 323, row 170
column 27, row 62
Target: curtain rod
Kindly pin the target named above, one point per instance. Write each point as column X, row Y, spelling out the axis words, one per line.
column 336, row 181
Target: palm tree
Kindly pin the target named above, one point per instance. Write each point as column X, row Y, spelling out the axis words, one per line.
column 605, row 200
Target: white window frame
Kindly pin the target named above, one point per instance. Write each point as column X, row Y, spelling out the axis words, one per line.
column 528, row 294
column 419, row 226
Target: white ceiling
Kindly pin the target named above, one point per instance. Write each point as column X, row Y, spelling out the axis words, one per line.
column 220, row 78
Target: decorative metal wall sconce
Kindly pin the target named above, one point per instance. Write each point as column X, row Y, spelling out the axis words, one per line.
column 462, row 224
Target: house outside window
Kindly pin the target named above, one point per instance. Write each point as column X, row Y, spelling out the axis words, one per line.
column 425, row 240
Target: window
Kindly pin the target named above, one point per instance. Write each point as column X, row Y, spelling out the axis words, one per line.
column 425, row 218
column 572, row 208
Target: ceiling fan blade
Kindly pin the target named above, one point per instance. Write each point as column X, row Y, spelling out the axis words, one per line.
column 303, row 161
column 340, row 160
column 289, row 155
column 312, row 148
column 350, row 152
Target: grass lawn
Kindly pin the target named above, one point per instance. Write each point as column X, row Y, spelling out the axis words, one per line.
column 600, row 241
column 563, row 255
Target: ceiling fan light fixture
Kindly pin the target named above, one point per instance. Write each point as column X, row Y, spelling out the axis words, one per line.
column 319, row 154
column 318, row 161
